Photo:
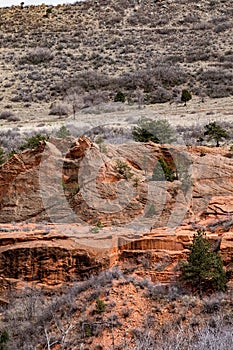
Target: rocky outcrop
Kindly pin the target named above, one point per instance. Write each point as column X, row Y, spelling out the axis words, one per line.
column 79, row 148
column 47, row 254
column 73, row 194
column 114, row 187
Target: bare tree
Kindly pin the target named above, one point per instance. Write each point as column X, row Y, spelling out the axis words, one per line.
column 74, row 97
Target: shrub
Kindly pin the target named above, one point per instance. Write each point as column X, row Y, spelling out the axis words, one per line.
column 204, row 268
column 211, row 306
column 100, row 306
column 4, row 338
column 158, row 131
column 162, row 171
column 123, row 169
column 151, row 211
column 62, row 133
column 6, row 115
column 33, row 142
column 2, row 155
column 119, row 97
column 37, row 55
column 185, row 96
column 59, row 108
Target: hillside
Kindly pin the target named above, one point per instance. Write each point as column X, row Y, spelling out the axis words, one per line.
column 82, row 54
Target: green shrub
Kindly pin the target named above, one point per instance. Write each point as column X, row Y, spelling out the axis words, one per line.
column 119, row 97
column 48, row 12
column 123, row 169
column 185, row 96
column 183, row 170
column 62, row 133
column 4, row 338
column 11, row 153
column 100, row 306
column 158, row 131
column 162, row 171
column 151, row 211
column 33, row 142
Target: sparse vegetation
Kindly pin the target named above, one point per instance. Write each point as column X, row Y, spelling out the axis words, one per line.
column 53, row 63
column 70, row 317
column 123, row 169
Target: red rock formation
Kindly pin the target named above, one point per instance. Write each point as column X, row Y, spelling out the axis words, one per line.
column 112, row 189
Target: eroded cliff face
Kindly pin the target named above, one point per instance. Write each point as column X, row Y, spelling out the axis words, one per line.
column 73, row 188
column 49, row 254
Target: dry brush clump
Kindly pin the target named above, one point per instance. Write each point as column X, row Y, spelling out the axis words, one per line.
column 37, row 55
column 104, row 306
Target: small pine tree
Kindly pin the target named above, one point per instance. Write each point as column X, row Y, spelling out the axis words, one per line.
column 215, row 132
column 162, row 171
column 203, row 270
column 185, row 96
column 119, row 97
column 100, row 306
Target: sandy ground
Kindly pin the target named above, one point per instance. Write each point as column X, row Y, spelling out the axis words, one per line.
column 195, row 113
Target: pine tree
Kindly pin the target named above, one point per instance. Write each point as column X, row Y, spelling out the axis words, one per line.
column 215, row 132
column 203, row 270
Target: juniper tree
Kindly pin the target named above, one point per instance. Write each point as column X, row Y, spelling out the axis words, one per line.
column 203, row 270
column 185, row 96
column 119, row 97
column 215, row 132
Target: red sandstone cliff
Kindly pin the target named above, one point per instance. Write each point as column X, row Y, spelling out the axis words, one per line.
column 73, row 192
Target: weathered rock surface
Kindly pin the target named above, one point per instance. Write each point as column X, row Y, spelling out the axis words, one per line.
column 48, row 254
column 73, row 196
